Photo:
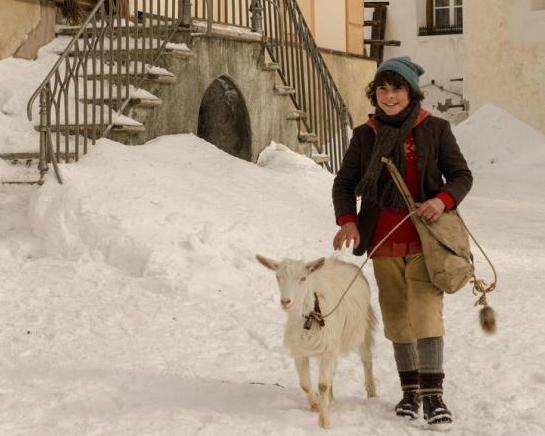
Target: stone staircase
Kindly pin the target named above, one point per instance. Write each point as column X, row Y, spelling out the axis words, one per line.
column 147, row 103
column 145, row 87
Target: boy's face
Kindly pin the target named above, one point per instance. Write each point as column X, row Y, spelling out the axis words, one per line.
column 392, row 100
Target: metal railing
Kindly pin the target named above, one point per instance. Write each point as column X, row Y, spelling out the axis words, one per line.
column 83, row 96
column 229, row 12
column 99, row 70
column 302, row 67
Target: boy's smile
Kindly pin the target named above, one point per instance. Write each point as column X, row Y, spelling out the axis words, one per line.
column 392, row 100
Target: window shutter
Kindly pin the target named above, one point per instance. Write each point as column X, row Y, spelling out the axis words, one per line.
column 354, row 26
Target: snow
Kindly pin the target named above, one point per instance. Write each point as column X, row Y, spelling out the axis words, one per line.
column 131, row 303
column 503, row 149
column 177, row 46
column 21, row 78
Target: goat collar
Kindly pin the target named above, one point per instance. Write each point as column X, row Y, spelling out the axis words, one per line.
column 315, row 315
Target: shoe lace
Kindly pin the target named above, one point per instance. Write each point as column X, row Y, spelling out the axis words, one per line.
column 435, row 402
column 410, row 397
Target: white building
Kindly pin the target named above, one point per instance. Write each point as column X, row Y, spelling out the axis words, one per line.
column 496, row 47
column 505, row 57
column 431, row 33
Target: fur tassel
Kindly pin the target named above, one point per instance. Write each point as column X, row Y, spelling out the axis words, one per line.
column 487, row 318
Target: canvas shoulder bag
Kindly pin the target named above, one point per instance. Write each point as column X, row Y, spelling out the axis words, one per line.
column 445, row 242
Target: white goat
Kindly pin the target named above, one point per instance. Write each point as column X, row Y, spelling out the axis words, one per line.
column 349, row 327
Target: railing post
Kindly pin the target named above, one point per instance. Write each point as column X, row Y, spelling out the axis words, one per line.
column 345, row 126
column 256, row 9
column 186, row 13
column 42, row 163
column 210, row 17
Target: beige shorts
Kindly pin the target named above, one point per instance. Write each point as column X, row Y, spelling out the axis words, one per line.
column 412, row 307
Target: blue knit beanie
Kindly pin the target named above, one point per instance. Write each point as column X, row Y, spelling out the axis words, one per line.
column 405, row 67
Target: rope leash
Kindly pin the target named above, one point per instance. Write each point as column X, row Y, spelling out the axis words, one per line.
column 322, row 317
column 479, row 286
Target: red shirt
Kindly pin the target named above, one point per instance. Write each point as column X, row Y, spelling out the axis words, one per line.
column 405, row 240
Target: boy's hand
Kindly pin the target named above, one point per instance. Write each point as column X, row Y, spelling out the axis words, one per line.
column 431, row 209
column 347, row 234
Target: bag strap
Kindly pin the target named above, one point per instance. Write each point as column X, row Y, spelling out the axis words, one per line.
column 400, row 183
column 479, row 286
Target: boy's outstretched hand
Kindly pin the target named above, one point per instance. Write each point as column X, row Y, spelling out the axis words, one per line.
column 347, row 234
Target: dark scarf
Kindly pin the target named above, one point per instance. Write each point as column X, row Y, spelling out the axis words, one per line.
column 391, row 134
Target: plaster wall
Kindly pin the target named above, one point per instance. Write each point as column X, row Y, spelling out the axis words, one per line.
column 505, row 62
column 330, row 24
column 351, row 75
column 17, row 20
column 442, row 56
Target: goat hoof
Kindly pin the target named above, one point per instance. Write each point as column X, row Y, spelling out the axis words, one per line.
column 323, row 422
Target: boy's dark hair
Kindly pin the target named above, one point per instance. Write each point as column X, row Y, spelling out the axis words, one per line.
column 394, row 79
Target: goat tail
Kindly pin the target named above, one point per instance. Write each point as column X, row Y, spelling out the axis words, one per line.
column 487, row 319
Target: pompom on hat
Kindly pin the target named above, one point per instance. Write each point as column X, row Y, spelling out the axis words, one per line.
column 405, row 67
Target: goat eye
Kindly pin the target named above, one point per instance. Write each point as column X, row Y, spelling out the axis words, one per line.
column 303, row 279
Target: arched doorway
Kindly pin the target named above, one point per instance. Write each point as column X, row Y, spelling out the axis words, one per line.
column 223, row 119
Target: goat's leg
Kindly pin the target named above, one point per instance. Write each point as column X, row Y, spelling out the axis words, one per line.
column 303, row 370
column 327, row 369
column 367, row 360
column 331, row 386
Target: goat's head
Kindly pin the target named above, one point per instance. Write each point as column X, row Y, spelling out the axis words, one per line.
column 291, row 276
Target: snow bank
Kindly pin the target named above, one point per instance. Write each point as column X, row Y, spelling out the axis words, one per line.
column 507, row 156
column 116, row 197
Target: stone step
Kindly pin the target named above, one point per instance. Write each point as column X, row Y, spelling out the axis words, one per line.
column 133, row 77
column 22, row 169
column 296, row 115
column 284, row 90
column 112, row 101
column 73, row 30
column 321, row 158
column 96, row 69
column 138, row 54
column 271, row 66
column 21, row 158
column 72, row 129
column 309, row 137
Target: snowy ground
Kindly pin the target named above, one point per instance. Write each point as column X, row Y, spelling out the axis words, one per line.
column 131, row 303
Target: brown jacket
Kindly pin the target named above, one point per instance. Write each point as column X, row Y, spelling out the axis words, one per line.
column 441, row 167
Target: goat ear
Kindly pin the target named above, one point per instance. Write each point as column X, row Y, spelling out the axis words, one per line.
column 317, row 264
column 269, row 263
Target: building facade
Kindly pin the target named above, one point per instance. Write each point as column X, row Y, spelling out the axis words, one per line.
column 505, row 57
column 338, row 29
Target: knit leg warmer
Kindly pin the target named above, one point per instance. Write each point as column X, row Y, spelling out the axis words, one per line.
column 430, row 355
column 406, row 357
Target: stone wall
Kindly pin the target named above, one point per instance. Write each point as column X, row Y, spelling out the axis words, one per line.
column 25, row 25
column 351, row 75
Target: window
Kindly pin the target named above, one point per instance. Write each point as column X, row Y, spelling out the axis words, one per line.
column 443, row 17
column 447, row 13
